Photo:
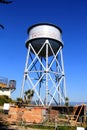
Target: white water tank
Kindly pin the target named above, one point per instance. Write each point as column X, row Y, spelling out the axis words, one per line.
column 39, row 33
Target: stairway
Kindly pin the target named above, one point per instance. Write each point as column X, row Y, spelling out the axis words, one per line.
column 78, row 112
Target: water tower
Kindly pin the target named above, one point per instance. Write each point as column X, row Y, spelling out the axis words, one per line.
column 44, row 69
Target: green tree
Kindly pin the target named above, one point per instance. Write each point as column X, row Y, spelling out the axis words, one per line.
column 66, row 101
column 5, row 99
column 19, row 102
column 28, row 95
column 4, row 2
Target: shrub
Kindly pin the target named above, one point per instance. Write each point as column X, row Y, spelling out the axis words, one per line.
column 4, row 99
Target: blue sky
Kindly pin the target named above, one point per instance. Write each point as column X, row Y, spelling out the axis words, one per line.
column 69, row 15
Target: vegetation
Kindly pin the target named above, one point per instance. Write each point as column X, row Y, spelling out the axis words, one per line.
column 52, row 128
column 19, row 102
column 28, row 96
column 66, row 101
column 66, row 128
column 5, row 99
column 4, row 2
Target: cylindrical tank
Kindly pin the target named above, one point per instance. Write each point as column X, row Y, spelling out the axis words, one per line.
column 12, row 84
column 39, row 33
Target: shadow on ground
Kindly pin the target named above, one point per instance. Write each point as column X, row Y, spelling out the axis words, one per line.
column 4, row 127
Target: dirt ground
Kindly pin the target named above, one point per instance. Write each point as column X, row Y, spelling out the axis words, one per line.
column 4, row 125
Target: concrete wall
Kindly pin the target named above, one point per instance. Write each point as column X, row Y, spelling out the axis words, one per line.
column 28, row 115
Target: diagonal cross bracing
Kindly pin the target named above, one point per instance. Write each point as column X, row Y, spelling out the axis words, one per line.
column 45, row 75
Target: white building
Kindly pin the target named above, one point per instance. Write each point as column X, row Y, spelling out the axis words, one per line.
column 5, row 91
column 6, row 88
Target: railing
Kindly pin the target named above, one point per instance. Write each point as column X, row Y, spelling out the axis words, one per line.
column 3, row 82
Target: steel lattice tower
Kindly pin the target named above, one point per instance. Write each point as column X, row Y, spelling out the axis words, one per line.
column 44, row 68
